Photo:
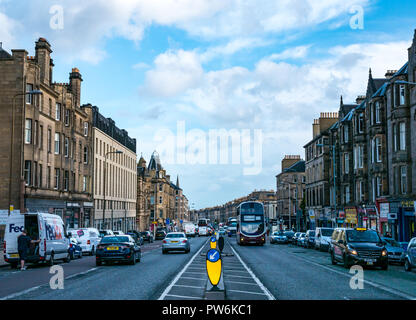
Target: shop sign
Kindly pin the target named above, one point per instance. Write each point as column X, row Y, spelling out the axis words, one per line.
column 342, row 214
column 408, row 204
column 392, row 216
column 351, row 215
column 312, row 214
column 384, row 210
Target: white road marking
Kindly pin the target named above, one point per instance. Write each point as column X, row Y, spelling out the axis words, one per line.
column 195, row 272
column 193, row 278
column 238, row 282
column 373, row 284
column 267, row 292
column 186, row 297
column 184, row 286
column 226, row 276
column 258, row 293
column 165, row 293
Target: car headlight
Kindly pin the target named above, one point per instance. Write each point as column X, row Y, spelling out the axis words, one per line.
column 384, row 253
column 354, row 252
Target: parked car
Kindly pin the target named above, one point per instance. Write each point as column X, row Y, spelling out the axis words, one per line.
column 410, row 259
column 323, row 238
column 295, row 237
column 278, row 237
column 104, row 233
column 138, row 235
column 75, row 250
column 301, row 240
column 118, row 233
column 147, row 236
column 89, row 238
column 160, row 234
column 176, row 241
column 289, row 235
column 395, row 251
column 310, row 239
column 221, row 231
column 359, row 246
column 137, row 238
column 46, row 227
column 118, row 249
column 203, row 231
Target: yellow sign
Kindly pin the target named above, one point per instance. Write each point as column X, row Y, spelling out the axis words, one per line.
column 214, row 266
column 213, row 243
column 11, row 208
column 351, row 215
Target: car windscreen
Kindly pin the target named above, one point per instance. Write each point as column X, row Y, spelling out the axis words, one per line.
column 392, row 242
column 327, row 232
column 312, row 233
column 175, row 235
column 114, row 239
column 289, row 233
column 278, row 233
column 362, row 236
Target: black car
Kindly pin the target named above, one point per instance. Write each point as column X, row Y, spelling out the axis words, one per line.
column 359, row 246
column 289, row 235
column 160, row 234
column 147, row 236
column 118, row 248
column 137, row 234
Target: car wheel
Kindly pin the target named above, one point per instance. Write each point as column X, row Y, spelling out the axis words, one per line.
column 51, row 261
column 333, row 261
column 92, row 251
column 72, row 256
column 385, row 266
column 98, row 263
column 164, row 251
column 68, row 258
column 133, row 259
column 139, row 257
column 344, row 260
column 407, row 266
column 13, row 265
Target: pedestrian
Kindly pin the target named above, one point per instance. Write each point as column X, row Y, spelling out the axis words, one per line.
column 23, row 244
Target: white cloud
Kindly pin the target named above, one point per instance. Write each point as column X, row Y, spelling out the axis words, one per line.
column 292, row 53
column 7, row 29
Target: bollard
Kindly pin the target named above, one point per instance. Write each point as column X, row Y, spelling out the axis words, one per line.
column 215, row 289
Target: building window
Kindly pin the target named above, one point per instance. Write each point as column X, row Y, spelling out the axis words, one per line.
column 403, row 179
column 86, row 155
column 402, row 141
column 378, row 149
column 35, row 133
column 160, row 187
column 49, row 140
column 86, row 129
column 361, row 123
column 48, row 178
column 58, row 111
column 66, row 147
column 41, row 137
column 347, row 194
column 346, row 163
column 57, row 178
column 84, row 184
column 40, row 176
column 402, row 92
column 35, row 174
column 50, row 108
column 394, row 137
column 160, row 200
column 28, row 131
column 345, row 133
column 377, row 112
column 67, row 115
column 28, row 172
column 66, row 180
column 29, row 97
column 160, row 213
column 57, row 143
column 379, row 187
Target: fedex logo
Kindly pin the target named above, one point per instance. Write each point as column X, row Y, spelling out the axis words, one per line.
column 15, row 228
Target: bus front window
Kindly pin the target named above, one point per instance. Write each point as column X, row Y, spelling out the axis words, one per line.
column 252, row 228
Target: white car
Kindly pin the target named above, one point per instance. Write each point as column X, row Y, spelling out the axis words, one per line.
column 189, row 230
column 118, row 233
column 203, row 231
column 323, row 238
column 89, row 238
column 48, row 228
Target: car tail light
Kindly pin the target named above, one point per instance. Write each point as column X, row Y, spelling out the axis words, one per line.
column 88, row 242
column 70, row 245
column 164, row 241
column 184, row 241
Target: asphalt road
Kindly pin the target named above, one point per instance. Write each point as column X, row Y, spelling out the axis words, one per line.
column 83, row 280
column 294, row 273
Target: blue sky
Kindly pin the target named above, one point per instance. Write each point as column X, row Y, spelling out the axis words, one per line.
column 229, row 64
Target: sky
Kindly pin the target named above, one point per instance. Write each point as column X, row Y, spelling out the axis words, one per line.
column 175, row 72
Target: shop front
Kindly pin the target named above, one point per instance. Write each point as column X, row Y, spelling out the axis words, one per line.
column 340, row 220
column 351, row 220
column 384, row 210
column 407, row 220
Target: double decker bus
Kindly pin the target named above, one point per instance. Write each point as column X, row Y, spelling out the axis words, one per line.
column 251, row 223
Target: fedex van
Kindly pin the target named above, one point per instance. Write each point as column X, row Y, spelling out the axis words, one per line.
column 48, row 228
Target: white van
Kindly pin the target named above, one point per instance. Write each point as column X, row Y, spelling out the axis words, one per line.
column 203, row 231
column 189, row 229
column 323, row 238
column 89, row 238
column 48, row 228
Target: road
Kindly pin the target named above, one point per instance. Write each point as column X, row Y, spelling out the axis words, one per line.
column 283, row 272
column 290, row 272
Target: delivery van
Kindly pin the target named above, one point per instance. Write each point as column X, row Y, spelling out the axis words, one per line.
column 189, row 229
column 48, row 228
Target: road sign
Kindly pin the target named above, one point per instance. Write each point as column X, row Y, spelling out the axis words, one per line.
column 214, row 266
column 181, row 221
column 167, row 221
column 213, row 243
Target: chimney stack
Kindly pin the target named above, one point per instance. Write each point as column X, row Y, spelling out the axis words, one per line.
column 390, row 73
column 289, row 160
column 43, row 56
column 75, row 80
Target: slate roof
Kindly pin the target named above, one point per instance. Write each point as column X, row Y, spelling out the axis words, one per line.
column 296, row 167
column 403, row 70
column 4, row 54
column 381, row 91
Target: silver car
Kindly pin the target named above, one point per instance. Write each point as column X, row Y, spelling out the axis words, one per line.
column 176, row 241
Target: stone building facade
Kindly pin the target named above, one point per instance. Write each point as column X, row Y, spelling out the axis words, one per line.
column 44, row 165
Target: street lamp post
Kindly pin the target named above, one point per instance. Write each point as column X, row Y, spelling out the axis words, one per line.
column 32, row 93
column 105, row 186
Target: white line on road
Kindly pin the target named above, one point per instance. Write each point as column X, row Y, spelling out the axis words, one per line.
column 184, row 286
column 226, row 276
column 165, row 293
column 261, row 294
column 186, row 297
column 267, row 292
column 193, row 278
column 238, row 282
